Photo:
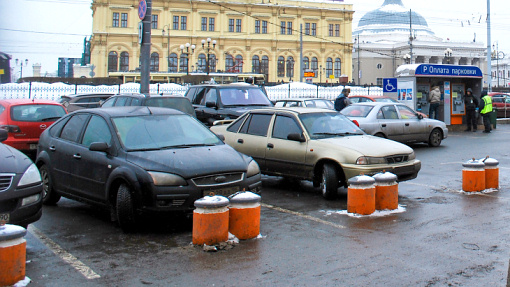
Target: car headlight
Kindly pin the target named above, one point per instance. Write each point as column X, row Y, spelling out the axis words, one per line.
column 168, row 179
column 364, row 160
column 31, row 176
column 253, row 169
column 411, row 156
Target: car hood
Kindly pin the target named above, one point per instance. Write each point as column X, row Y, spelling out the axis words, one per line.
column 13, row 161
column 368, row 145
column 191, row 162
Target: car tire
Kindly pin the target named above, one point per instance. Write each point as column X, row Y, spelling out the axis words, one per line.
column 435, row 138
column 329, row 183
column 50, row 197
column 381, row 135
column 126, row 214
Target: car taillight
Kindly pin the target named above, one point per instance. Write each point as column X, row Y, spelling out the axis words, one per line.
column 10, row 128
column 355, row 122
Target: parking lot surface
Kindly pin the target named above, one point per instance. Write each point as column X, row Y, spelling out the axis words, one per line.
column 440, row 236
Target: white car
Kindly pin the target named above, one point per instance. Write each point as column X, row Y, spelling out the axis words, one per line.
column 396, row 121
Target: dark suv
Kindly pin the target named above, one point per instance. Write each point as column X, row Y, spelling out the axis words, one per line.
column 83, row 101
column 177, row 102
column 223, row 102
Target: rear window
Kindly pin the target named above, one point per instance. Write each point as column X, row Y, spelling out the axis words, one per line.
column 181, row 104
column 243, row 97
column 356, row 111
column 36, row 113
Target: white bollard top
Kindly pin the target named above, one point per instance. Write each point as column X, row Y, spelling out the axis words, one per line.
column 385, row 177
column 488, row 161
column 361, row 180
column 216, row 201
column 244, row 197
column 10, row 232
column 474, row 164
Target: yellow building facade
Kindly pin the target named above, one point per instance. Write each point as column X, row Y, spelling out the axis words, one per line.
column 245, row 36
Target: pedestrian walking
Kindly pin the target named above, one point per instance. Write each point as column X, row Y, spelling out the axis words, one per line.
column 486, row 110
column 434, row 100
column 342, row 100
column 471, row 103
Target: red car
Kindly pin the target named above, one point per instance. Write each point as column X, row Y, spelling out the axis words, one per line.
column 501, row 102
column 26, row 119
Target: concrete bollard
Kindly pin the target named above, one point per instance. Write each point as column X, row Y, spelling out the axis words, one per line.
column 244, row 215
column 210, row 220
column 361, row 195
column 491, row 173
column 473, row 176
column 13, row 254
column 386, row 191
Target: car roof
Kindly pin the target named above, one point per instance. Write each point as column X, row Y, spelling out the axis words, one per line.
column 226, row 86
column 131, row 111
column 301, row 99
column 89, row 95
column 14, row 102
column 296, row 110
column 376, row 103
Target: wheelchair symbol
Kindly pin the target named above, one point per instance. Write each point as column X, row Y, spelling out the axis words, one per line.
column 389, row 87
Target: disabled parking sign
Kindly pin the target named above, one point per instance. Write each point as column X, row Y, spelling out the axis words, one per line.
column 390, row 85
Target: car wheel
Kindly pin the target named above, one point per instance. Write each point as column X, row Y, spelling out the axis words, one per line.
column 125, row 209
column 329, row 184
column 435, row 138
column 381, row 135
column 50, row 197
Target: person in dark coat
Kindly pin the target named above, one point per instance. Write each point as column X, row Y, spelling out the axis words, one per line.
column 342, row 100
column 471, row 103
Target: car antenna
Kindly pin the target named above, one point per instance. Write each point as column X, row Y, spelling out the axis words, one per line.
column 150, row 112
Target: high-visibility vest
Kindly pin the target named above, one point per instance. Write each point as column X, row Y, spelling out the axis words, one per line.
column 488, row 105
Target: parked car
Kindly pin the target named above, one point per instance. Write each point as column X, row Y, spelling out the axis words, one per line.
column 163, row 101
column 135, row 160
column 25, row 120
column 20, row 186
column 83, row 101
column 315, row 144
column 305, row 102
column 223, row 102
column 396, row 121
column 382, row 99
column 501, row 102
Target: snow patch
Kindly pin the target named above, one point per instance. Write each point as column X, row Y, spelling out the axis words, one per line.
column 485, row 191
column 377, row 213
column 22, row 283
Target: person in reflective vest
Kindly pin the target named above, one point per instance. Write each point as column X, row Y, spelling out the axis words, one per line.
column 486, row 110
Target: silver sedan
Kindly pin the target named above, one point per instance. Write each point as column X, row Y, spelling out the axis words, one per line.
column 396, row 121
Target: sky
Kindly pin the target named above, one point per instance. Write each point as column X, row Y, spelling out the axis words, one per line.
column 44, row 30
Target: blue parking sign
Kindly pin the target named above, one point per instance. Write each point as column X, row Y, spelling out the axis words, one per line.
column 390, row 85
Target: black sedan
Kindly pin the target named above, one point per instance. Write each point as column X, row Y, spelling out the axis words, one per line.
column 135, row 160
column 20, row 186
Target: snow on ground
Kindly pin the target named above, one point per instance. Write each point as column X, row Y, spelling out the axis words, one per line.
column 377, row 213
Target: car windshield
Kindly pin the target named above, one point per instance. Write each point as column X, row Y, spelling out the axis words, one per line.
column 181, row 104
column 325, row 125
column 243, row 97
column 154, row 132
column 359, row 111
column 323, row 104
column 37, row 113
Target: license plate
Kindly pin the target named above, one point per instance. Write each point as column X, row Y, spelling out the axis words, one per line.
column 33, row 146
column 4, row 217
column 226, row 191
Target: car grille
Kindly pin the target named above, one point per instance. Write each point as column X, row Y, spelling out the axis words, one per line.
column 218, row 179
column 5, row 180
column 396, row 158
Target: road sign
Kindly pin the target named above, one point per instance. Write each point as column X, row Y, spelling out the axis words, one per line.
column 140, row 32
column 309, row 74
column 142, row 9
column 390, row 85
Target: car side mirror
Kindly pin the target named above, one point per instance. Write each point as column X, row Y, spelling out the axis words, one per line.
column 420, row 117
column 3, row 135
column 99, row 146
column 210, row 105
column 221, row 137
column 296, row 137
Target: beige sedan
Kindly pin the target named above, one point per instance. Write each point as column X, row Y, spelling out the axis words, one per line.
column 315, row 144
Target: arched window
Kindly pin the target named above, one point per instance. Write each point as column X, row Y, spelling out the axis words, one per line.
column 239, row 64
column 183, row 63
column 281, row 66
column 154, row 62
column 290, row 67
column 229, row 63
column 306, row 63
column 329, row 67
column 315, row 66
column 212, row 63
column 338, row 68
column 201, row 64
column 264, row 66
column 255, row 64
column 172, row 63
column 124, row 62
column 112, row 62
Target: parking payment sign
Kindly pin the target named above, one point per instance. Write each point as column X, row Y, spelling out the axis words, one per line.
column 390, row 85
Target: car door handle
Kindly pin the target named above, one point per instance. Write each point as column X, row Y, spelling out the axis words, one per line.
column 77, row 156
column 270, row 145
column 240, row 141
column 52, row 148
column 407, row 124
column 383, row 125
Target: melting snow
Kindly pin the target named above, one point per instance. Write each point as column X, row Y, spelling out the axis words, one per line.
column 377, row 213
column 23, row 282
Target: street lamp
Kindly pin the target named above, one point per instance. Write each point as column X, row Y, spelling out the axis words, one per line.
column 407, row 58
column 21, row 66
column 448, row 54
column 167, row 44
column 208, row 49
column 186, row 47
column 496, row 56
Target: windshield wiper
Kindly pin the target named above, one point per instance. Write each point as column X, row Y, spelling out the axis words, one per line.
column 185, row 146
column 338, row 134
column 48, row 119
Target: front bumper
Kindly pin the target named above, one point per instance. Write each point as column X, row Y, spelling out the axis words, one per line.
column 404, row 171
column 11, row 200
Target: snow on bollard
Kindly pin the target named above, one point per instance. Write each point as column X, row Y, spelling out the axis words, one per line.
column 244, row 215
column 491, row 173
column 210, row 220
column 361, row 195
column 473, row 176
column 13, row 254
column 386, row 191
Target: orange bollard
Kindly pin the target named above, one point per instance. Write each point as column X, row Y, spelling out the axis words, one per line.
column 473, row 176
column 210, row 220
column 13, row 254
column 386, row 191
column 361, row 195
column 244, row 215
column 491, row 173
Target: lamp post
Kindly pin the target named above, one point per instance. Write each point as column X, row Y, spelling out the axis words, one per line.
column 320, row 74
column 208, row 50
column 186, row 47
column 448, row 54
column 407, row 58
column 496, row 56
column 21, row 66
column 167, row 44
